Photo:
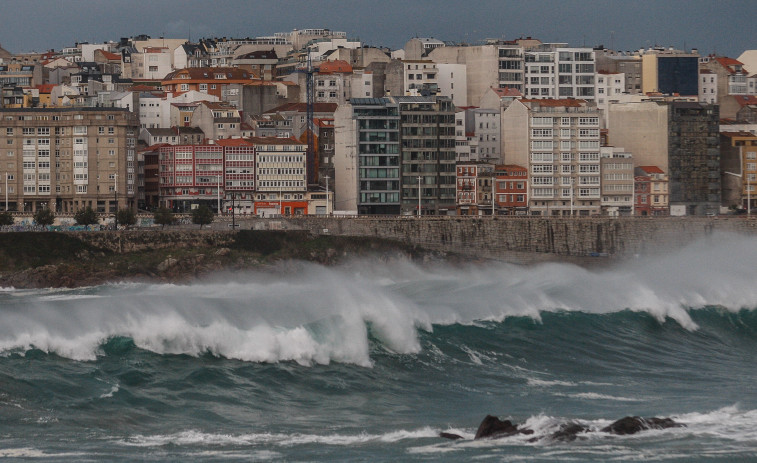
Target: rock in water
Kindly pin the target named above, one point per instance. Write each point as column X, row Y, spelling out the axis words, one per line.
column 449, row 435
column 634, row 424
column 568, row 432
column 494, row 427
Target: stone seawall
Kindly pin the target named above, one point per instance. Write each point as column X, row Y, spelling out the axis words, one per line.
column 526, row 240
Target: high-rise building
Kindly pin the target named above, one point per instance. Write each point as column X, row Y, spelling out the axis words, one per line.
column 559, row 142
column 390, row 149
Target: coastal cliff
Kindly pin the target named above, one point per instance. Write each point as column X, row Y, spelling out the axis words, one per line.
column 55, row 259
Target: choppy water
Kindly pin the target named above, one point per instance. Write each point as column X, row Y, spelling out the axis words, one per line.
column 372, row 360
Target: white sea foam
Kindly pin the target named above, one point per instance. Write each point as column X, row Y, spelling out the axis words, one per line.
column 547, row 383
column 110, row 393
column 314, row 315
column 189, row 438
column 596, row 396
column 28, row 452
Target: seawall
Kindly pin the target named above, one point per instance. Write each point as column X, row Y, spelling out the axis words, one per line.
column 524, row 240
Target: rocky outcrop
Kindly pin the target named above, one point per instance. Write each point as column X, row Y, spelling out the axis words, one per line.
column 633, row 424
column 494, row 428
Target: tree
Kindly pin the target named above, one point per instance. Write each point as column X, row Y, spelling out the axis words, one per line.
column 6, row 218
column 163, row 216
column 202, row 215
column 44, row 217
column 126, row 217
column 86, row 217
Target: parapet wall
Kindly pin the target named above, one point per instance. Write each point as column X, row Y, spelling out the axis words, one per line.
column 526, row 240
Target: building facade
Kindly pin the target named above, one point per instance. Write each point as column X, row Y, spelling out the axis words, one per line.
column 559, row 141
column 617, row 170
column 67, row 159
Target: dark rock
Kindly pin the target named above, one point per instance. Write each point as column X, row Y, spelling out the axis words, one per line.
column 492, row 427
column 449, row 435
column 568, row 432
column 633, row 424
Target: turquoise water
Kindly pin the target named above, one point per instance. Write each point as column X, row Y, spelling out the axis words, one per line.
column 372, row 360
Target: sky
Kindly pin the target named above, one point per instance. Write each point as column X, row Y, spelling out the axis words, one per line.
column 724, row 27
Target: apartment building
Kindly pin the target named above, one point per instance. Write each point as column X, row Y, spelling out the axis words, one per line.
column 650, row 192
column 66, row 159
column 472, row 195
column 682, row 139
column 555, row 71
column 616, row 166
column 559, row 142
column 670, row 71
column 511, row 189
column 281, row 173
column 393, row 149
column 212, row 81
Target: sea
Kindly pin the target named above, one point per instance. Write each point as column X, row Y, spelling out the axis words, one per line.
column 371, row 360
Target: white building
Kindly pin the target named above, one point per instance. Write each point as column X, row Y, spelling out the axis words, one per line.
column 708, row 86
column 453, row 82
column 420, row 78
column 556, row 71
column 609, row 88
column 559, row 142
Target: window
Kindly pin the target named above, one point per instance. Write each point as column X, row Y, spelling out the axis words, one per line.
column 9, row 131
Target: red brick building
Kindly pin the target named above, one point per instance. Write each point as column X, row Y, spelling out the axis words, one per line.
column 511, row 189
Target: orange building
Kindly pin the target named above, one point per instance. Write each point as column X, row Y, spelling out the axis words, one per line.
column 212, row 81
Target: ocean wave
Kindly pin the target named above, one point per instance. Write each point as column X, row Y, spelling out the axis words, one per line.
column 310, row 314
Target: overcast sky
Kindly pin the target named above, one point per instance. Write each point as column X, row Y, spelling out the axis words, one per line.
column 727, row 27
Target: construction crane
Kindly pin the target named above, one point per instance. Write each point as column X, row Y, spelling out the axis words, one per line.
column 312, row 168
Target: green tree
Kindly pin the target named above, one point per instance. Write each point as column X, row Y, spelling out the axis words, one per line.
column 86, row 217
column 163, row 216
column 126, row 217
column 202, row 215
column 44, row 217
column 6, row 218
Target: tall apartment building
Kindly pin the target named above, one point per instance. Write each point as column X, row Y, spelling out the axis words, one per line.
column 390, row 150
column 66, row 159
column 555, row 71
column 682, row 139
column 559, row 142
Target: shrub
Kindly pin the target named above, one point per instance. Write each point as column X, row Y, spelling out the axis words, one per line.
column 163, row 216
column 126, row 217
column 44, row 217
column 202, row 215
column 6, row 218
column 86, row 217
